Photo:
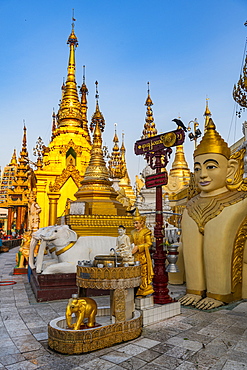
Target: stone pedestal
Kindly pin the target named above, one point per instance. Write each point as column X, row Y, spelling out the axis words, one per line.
column 153, row 313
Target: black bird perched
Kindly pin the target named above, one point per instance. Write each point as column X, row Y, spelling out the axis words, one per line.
column 179, row 123
column 132, row 211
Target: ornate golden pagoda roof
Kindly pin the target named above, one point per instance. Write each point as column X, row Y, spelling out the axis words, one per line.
column 149, row 127
column 18, row 194
column 69, row 113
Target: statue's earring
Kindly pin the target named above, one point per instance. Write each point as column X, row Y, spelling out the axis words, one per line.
column 229, row 181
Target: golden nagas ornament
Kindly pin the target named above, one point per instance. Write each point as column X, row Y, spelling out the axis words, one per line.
column 212, row 142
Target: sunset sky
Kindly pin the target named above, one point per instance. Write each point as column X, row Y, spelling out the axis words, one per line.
column 187, row 50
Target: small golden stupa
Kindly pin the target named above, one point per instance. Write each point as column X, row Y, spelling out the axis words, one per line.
column 96, row 188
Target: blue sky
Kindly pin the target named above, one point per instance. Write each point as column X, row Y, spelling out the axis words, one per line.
column 188, row 50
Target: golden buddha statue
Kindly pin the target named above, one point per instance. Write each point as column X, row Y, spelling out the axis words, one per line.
column 141, row 242
column 212, row 225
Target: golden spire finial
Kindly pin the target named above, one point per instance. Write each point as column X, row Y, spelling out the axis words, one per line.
column 149, row 127
column 212, row 142
column 84, row 93
column 13, row 159
column 207, row 115
column 69, row 113
column 125, row 180
column 24, row 153
column 97, row 117
column 115, row 162
column 54, row 125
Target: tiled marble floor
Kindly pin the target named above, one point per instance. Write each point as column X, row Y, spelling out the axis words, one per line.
column 192, row 340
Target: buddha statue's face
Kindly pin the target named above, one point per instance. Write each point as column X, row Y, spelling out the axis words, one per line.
column 211, row 171
column 121, row 231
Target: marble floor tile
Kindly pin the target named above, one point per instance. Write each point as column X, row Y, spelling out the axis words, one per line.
column 148, row 355
column 11, row 359
column 167, row 362
column 133, row 363
column 97, row 364
column 188, row 344
column 233, row 365
column 132, row 349
column 23, row 365
column 146, row 343
column 116, row 357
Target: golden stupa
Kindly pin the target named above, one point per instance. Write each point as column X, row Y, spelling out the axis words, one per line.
column 66, row 158
column 102, row 212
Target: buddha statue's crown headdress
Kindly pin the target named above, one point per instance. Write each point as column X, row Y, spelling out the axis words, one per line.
column 138, row 217
column 212, row 142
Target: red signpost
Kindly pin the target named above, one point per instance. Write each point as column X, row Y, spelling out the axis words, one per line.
column 157, row 149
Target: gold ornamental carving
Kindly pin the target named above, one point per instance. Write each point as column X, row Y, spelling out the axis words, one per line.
column 202, row 209
column 81, row 341
column 108, row 278
column 70, row 170
column 71, row 144
column 119, row 304
column 238, row 252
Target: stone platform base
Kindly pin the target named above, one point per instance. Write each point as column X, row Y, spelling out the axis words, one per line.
column 52, row 287
column 20, row 271
column 70, row 342
column 153, row 313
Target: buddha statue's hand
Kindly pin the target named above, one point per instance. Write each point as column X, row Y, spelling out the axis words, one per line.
column 208, row 303
column 190, row 299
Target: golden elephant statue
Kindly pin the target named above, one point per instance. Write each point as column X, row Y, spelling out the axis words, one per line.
column 82, row 308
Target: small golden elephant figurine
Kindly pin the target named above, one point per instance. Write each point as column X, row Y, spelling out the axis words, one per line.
column 82, row 308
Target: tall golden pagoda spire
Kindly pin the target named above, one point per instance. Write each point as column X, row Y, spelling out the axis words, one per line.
column 207, row 116
column 115, row 162
column 54, row 125
column 125, row 180
column 149, row 127
column 69, row 113
column 97, row 167
column 19, row 192
column 13, row 161
column 96, row 189
column 84, row 93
